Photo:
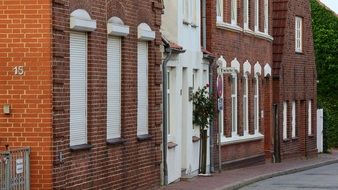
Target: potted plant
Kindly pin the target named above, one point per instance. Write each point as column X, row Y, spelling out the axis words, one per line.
column 203, row 112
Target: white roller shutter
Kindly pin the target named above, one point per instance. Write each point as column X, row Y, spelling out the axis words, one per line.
column 78, row 88
column 114, row 88
column 142, row 88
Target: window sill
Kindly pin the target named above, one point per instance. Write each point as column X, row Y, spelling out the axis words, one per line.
column 115, row 141
column 227, row 26
column 299, row 52
column 286, row 140
column 264, row 36
column 240, row 139
column 311, row 135
column 144, row 137
column 80, row 147
column 248, row 31
column 171, row 145
column 294, row 138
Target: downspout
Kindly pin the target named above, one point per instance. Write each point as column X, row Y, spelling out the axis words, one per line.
column 204, row 45
column 164, row 112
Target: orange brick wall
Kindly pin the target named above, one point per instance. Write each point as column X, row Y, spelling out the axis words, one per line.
column 25, row 40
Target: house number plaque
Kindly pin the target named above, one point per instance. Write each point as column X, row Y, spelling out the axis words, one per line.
column 19, row 70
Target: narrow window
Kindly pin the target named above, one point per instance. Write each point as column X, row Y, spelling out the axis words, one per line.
column 309, row 117
column 256, row 15
column 266, row 16
column 246, row 13
column 293, row 131
column 234, row 103
column 234, row 12
column 168, row 101
column 114, row 87
column 142, row 88
column 186, row 10
column 285, row 119
column 245, row 105
column 256, row 104
column 298, row 34
column 78, row 88
column 219, row 10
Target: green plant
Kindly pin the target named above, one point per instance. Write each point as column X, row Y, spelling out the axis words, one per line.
column 203, row 107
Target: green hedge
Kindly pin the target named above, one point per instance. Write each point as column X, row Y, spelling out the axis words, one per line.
column 325, row 34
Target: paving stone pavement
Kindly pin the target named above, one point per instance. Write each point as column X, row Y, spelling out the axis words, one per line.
column 234, row 179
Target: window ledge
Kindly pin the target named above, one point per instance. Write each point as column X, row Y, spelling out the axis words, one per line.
column 171, row 145
column 311, row 135
column 80, row 147
column 143, row 137
column 240, row 139
column 294, row 138
column 248, row 31
column 116, row 141
column 227, row 26
column 286, row 140
column 264, row 36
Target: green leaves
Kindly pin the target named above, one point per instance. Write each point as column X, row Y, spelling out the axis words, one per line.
column 203, row 107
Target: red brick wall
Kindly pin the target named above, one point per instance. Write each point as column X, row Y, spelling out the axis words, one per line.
column 295, row 75
column 25, row 40
column 133, row 164
column 242, row 46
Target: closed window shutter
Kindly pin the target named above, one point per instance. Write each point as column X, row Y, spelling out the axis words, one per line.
column 78, row 88
column 114, row 87
column 142, row 88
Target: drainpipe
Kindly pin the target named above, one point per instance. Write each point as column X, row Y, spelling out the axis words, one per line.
column 164, row 112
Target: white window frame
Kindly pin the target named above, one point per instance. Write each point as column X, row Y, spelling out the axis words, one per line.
column 74, row 137
column 233, row 12
column 285, row 120
column 266, row 16
column 256, row 105
column 309, row 117
column 298, row 34
column 256, row 15
column 246, row 14
column 168, row 100
column 186, row 11
column 245, row 105
column 219, row 11
column 234, row 103
column 293, row 123
column 114, row 84
column 142, row 99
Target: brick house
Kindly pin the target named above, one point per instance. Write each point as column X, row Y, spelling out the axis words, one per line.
column 294, row 78
column 88, row 99
column 239, row 35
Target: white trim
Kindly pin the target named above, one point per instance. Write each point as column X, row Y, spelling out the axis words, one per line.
column 309, row 115
column 235, row 64
column 246, row 13
column 247, row 67
column 145, row 33
column 257, row 69
column 285, row 119
column 293, row 123
column 227, row 26
column 219, row 10
column 234, row 104
column 233, row 12
column 256, row 27
column 266, row 16
column 245, row 104
column 298, row 34
column 267, row 70
column 116, row 27
column 240, row 139
column 81, row 21
column 256, row 105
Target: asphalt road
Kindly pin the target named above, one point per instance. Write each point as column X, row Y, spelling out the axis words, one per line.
column 325, row 177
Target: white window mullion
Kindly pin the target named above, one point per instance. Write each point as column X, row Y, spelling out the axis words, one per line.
column 298, row 34
column 285, row 130
column 234, row 12
column 293, row 131
column 246, row 13
column 256, row 15
column 78, row 88
column 234, row 103
column 309, row 117
column 142, row 88
column 219, row 10
column 266, row 16
column 256, row 105
column 114, row 87
column 245, row 105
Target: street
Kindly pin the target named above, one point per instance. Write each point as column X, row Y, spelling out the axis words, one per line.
column 325, row 177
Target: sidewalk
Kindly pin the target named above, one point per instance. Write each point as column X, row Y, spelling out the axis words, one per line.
column 233, row 179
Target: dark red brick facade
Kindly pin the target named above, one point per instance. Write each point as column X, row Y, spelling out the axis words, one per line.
column 244, row 46
column 133, row 164
column 294, row 76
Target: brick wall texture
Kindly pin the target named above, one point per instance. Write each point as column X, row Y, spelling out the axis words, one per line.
column 294, row 75
column 133, row 164
column 243, row 46
column 25, row 40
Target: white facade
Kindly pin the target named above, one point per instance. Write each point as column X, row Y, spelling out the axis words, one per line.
column 180, row 24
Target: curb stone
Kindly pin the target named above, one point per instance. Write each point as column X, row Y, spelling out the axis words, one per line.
column 246, row 182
